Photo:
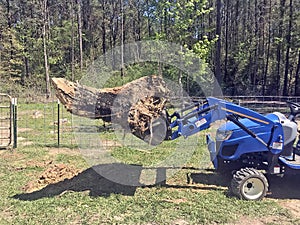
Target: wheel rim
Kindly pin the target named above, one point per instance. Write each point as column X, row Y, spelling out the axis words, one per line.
column 253, row 188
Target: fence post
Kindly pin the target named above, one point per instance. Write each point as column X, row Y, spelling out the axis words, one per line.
column 14, row 110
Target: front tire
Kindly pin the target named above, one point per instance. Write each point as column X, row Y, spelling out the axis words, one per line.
column 249, row 184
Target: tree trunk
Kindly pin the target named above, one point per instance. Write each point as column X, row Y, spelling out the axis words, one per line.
column 25, row 74
column 279, row 47
column 256, row 46
column 80, row 33
column 148, row 19
column 237, row 10
column 9, row 24
column 47, row 76
column 226, row 43
column 297, row 83
column 72, row 42
column 268, row 50
column 122, row 40
column 103, row 26
column 180, row 75
column 218, row 50
column 287, row 56
column 139, row 24
column 126, row 106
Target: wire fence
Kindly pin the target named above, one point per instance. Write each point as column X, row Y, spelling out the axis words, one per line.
column 48, row 123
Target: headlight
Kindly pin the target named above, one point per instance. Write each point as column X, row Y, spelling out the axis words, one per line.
column 223, row 135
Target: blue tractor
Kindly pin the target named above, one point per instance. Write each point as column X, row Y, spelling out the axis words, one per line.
column 249, row 145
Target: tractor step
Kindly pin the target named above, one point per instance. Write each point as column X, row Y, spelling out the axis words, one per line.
column 293, row 164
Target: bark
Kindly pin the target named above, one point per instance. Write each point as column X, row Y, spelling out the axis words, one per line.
column 103, row 27
column 218, row 49
column 122, row 39
column 148, row 20
column 47, row 76
column 268, row 50
column 9, row 22
column 26, row 69
column 287, row 56
column 80, row 32
column 72, row 42
column 226, row 43
column 126, row 105
column 297, row 85
column 236, row 29
column 279, row 46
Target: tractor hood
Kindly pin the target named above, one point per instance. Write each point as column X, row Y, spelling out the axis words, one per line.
column 248, row 123
column 235, row 131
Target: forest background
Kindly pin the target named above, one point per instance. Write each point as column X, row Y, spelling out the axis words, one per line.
column 252, row 46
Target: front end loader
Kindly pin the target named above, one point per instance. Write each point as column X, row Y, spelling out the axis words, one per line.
column 249, row 145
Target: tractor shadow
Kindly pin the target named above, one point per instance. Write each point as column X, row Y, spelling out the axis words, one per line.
column 102, row 180
column 209, row 177
column 287, row 187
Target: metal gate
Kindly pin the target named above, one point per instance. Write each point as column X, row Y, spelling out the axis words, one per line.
column 6, row 118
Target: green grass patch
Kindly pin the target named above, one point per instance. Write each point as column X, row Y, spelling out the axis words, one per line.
column 174, row 203
column 90, row 198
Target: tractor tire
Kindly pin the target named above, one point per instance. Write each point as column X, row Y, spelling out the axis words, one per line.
column 249, row 184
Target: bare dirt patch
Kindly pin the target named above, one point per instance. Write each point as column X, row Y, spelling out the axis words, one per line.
column 286, row 191
column 53, row 174
column 27, row 143
column 293, row 206
column 23, row 129
column 23, row 141
column 35, row 114
column 180, row 222
column 246, row 220
column 66, row 151
column 11, row 155
column 175, row 201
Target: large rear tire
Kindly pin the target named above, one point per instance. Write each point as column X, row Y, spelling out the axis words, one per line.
column 249, row 184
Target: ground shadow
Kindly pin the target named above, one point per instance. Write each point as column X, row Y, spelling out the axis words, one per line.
column 101, row 180
column 89, row 180
column 287, row 187
column 209, row 177
column 95, row 180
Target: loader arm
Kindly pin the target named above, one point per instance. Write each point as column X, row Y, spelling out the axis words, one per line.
column 200, row 116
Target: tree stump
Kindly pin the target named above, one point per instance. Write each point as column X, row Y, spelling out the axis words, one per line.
column 134, row 105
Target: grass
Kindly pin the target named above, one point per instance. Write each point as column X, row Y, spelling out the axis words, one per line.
column 91, row 198
column 42, row 120
column 170, row 204
column 155, row 205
